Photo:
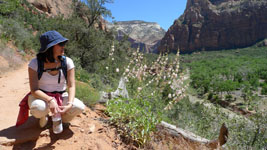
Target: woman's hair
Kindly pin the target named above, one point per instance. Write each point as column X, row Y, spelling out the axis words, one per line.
column 47, row 55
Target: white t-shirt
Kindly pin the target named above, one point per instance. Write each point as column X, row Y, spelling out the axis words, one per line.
column 49, row 82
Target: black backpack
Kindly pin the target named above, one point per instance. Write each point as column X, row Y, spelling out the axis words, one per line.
column 63, row 66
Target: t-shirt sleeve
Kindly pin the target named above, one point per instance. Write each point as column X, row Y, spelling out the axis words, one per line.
column 33, row 64
column 70, row 63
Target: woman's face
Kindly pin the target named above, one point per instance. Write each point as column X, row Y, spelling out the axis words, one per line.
column 58, row 50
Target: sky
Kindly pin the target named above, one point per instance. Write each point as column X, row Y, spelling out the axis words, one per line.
column 163, row 12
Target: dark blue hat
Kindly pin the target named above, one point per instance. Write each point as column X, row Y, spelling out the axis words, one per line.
column 49, row 39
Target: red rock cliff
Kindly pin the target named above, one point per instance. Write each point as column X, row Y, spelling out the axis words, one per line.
column 217, row 24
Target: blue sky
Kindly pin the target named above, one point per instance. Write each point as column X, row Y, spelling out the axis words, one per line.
column 163, row 12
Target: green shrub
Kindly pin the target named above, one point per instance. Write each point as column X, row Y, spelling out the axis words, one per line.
column 8, row 6
column 86, row 93
column 228, row 97
column 264, row 89
column 14, row 30
column 134, row 117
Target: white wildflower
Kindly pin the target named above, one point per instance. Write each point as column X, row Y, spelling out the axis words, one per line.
column 145, row 66
column 169, row 95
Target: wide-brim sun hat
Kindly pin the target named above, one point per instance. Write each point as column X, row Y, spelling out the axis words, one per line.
column 49, row 39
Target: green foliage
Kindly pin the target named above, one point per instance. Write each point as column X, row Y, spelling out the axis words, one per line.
column 134, row 117
column 264, row 89
column 86, row 93
column 8, row 7
column 223, row 72
column 21, row 36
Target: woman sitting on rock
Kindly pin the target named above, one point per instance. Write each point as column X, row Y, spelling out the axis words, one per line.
column 50, row 75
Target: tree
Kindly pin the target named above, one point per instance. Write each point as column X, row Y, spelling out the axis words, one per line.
column 92, row 10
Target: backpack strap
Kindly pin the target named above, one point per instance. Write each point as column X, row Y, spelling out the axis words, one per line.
column 40, row 69
column 64, row 67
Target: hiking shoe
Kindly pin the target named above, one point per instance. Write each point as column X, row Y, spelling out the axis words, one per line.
column 43, row 121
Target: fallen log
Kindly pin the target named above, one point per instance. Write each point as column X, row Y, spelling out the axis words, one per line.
column 178, row 132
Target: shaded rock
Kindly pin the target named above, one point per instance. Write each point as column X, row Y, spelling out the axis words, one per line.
column 121, row 91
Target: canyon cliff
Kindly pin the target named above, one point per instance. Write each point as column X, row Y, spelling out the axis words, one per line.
column 216, row 25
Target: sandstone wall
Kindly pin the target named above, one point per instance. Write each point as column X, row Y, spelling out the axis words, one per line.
column 217, row 24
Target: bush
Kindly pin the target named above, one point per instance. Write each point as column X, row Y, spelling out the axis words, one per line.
column 134, row 117
column 264, row 89
column 86, row 93
column 8, row 6
column 15, row 31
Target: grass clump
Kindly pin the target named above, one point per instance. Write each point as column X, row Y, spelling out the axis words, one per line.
column 86, row 93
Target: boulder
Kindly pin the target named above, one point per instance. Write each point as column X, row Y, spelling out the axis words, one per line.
column 121, row 91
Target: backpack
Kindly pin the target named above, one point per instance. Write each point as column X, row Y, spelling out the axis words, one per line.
column 63, row 66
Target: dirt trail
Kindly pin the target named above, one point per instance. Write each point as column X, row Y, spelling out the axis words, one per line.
column 14, row 85
column 87, row 131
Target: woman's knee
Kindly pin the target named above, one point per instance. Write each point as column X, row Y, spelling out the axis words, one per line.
column 77, row 107
column 38, row 108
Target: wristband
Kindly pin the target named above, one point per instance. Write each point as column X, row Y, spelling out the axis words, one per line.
column 70, row 103
column 50, row 100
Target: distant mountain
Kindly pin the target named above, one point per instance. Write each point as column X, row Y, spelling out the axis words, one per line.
column 147, row 35
column 217, row 24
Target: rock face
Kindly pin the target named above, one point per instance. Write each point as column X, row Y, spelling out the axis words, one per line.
column 61, row 7
column 217, row 24
column 144, row 34
column 53, row 7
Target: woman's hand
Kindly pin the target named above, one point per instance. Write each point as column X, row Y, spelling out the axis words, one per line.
column 64, row 109
column 53, row 106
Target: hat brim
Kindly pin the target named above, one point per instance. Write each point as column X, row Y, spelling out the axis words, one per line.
column 62, row 39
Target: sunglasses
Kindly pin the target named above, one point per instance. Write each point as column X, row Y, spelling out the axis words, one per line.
column 62, row 44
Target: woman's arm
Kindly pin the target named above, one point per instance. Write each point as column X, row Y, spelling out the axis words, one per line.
column 71, row 85
column 33, row 79
column 71, row 91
